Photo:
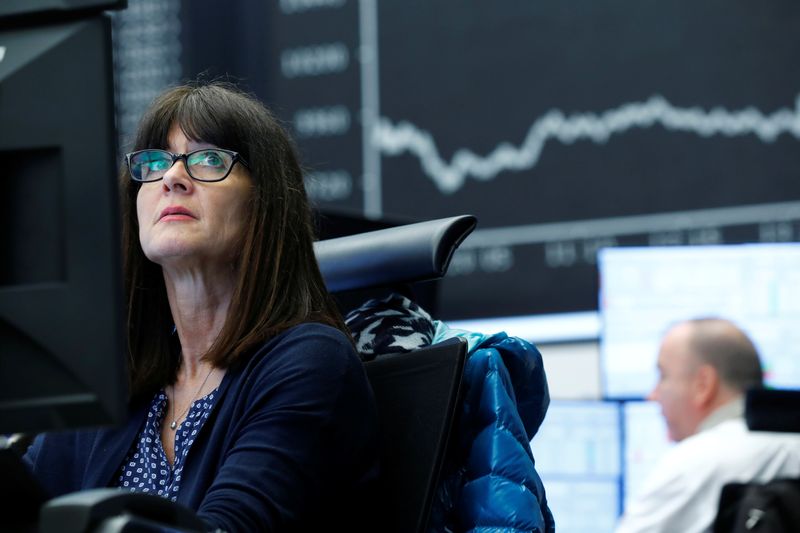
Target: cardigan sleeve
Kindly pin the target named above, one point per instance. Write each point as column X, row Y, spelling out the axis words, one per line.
column 58, row 461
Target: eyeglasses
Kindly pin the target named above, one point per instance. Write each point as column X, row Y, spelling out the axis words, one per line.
column 206, row 164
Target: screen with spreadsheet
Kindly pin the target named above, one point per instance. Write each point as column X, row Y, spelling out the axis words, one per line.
column 578, row 456
column 645, row 290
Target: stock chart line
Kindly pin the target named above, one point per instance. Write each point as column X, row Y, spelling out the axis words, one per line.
column 393, row 139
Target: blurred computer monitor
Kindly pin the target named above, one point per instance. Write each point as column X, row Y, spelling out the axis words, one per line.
column 645, row 442
column 578, row 456
column 645, row 290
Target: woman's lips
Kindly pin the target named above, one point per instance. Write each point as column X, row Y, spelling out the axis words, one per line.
column 176, row 212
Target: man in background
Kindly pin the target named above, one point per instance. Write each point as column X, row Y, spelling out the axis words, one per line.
column 705, row 367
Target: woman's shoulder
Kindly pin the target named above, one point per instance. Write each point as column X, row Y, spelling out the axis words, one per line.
column 315, row 334
column 308, row 345
column 314, row 330
column 304, row 361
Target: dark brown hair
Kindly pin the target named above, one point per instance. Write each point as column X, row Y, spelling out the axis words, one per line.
column 278, row 283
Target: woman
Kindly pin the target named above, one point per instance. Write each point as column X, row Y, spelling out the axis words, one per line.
column 248, row 402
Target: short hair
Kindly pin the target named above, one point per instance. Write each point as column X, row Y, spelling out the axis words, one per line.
column 278, row 283
column 724, row 346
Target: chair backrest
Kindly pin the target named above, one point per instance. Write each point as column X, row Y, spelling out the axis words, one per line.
column 772, row 410
column 417, row 392
column 417, row 395
column 404, row 254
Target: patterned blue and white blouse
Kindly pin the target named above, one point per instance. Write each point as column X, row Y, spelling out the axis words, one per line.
column 146, row 468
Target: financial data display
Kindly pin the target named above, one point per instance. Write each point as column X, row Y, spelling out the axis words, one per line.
column 645, row 443
column 147, row 54
column 565, row 127
column 645, row 290
column 578, row 456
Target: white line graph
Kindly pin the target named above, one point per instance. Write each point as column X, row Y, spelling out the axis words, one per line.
column 393, row 139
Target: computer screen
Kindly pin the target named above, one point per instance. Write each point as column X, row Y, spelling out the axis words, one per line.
column 645, row 442
column 578, row 456
column 61, row 341
column 645, row 290
column 548, row 328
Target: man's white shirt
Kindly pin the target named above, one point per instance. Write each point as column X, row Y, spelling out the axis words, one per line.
column 682, row 492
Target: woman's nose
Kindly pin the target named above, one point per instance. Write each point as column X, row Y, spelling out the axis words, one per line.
column 177, row 177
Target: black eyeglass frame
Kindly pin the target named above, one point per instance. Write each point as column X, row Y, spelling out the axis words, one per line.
column 236, row 158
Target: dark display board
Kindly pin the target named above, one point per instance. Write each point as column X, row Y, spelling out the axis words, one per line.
column 564, row 126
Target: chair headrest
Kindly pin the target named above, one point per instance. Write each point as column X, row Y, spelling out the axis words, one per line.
column 404, row 254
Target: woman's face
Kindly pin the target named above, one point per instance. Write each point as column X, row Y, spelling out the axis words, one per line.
column 192, row 224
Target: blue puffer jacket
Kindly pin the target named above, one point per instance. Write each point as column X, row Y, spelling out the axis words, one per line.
column 489, row 483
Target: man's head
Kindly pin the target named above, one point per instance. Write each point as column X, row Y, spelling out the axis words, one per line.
column 703, row 364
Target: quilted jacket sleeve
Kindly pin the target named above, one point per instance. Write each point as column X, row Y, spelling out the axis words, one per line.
column 490, row 483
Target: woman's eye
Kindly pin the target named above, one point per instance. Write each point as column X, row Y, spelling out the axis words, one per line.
column 208, row 159
column 158, row 165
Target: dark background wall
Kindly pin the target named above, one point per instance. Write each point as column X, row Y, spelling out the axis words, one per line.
column 227, row 39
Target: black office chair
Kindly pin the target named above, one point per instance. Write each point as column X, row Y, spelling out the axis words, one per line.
column 416, row 392
column 774, row 505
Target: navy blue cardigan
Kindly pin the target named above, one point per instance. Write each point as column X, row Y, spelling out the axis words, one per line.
column 291, row 444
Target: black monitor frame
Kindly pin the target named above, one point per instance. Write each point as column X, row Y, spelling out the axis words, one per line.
column 61, row 334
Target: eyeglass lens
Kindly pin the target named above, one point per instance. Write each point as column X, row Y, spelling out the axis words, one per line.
column 208, row 164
